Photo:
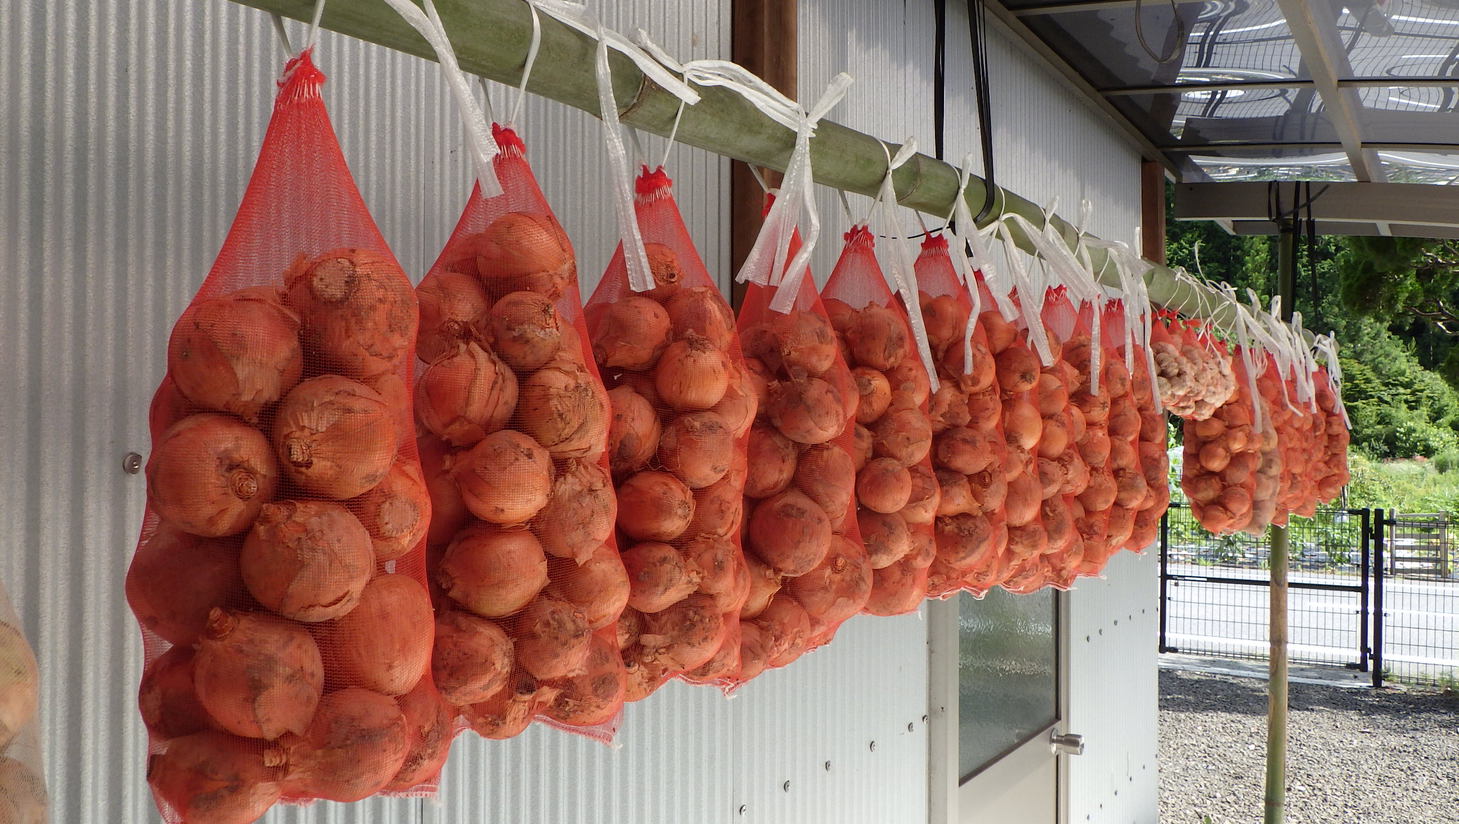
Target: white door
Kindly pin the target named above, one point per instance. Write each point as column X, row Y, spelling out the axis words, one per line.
column 998, row 665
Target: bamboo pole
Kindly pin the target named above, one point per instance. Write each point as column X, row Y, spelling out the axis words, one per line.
column 1275, row 801
column 490, row 38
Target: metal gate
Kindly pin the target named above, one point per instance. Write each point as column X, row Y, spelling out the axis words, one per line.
column 1214, row 589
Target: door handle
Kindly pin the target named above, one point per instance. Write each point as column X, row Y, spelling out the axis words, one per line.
column 1066, row 743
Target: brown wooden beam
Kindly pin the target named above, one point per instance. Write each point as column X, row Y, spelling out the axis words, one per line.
column 1152, row 211
column 763, row 39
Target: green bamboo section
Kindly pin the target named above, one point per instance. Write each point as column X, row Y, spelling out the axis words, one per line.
column 491, row 38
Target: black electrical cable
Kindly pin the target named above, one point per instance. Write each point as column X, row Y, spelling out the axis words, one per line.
column 1312, row 253
column 978, row 35
column 939, row 76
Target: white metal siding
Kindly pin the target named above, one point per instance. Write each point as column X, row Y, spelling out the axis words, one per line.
column 1048, row 143
column 127, row 131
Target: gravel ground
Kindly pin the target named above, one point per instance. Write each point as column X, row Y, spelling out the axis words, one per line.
column 1354, row 756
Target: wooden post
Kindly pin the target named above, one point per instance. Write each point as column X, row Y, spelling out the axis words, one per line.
column 1152, row 211
column 763, row 39
column 1275, row 802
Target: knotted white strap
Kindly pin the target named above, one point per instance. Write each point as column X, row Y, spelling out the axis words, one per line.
column 479, row 141
column 1029, row 286
column 964, row 233
column 903, row 268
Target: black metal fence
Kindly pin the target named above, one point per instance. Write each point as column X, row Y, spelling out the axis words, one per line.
column 1367, row 591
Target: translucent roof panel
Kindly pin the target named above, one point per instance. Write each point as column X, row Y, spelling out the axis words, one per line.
column 1410, row 114
column 1225, row 41
column 1400, row 38
column 1421, row 167
column 1237, row 165
column 1224, row 115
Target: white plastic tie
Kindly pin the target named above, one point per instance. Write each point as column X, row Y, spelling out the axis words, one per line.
column 479, row 140
column 620, row 174
column 532, row 48
column 903, row 268
column 961, row 228
column 1030, row 290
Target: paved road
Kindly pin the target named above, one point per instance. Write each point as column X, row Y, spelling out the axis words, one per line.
column 1421, row 634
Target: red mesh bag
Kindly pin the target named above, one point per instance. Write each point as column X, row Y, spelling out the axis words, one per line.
column 1193, row 374
column 1332, row 469
column 279, row 577
column 1153, row 456
column 1273, row 420
column 1220, row 459
column 968, row 451
column 682, row 406
column 802, row 538
column 529, row 582
column 897, row 493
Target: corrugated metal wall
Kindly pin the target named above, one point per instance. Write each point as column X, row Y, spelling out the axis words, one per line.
column 127, row 131
column 1047, row 144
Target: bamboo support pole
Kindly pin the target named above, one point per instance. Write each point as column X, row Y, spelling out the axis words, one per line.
column 490, row 38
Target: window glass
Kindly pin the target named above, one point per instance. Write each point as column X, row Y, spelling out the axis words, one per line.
column 1007, row 674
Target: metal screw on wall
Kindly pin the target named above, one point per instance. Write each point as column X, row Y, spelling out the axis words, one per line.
column 828, row 766
column 872, row 746
column 743, row 808
column 132, row 463
column 785, row 786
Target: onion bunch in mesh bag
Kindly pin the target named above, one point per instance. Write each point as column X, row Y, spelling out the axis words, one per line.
column 279, row 575
column 1193, row 374
column 525, row 570
column 897, row 491
column 1331, row 469
column 1220, row 461
column 681, row 407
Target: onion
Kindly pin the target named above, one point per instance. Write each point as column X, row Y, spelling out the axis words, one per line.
column 580, row 511
column 945, row 319
column 964, row 450
column 1075, row 472
column 564, row 408
column 963, row 540
column 909, row 380
column 257, row 675
column 598, row 585
column 955, row 496
column 1130, row 487
column 1018, row 369
column 1099, row 495
column 692, row 374
column 925, row 496
column 1058, row 522
column 880, row 338
column 491, row 571
column 1051, row 477
column 874, row 392
column 175, row 580
column 166, row 697
column 472, row 657
column 697, row 447
column 384, row 644
column 1021, row 422
column 429, row 725
column 504, row 479
column 1200, row 488
column 1124, row 419
column 718, row 509
column 838, row 586
column 1095, row 407
column 453, row 309
column 883, row 485
column 552, row 638
column 465, row 395
column 770, row 461
column 658, row 576
column 724, row 665
column 307, row 560
column 1054, row 437
column 210, row 475
column 897, row 589
column 1024, row 497
column 1028, row 540
column 1214, row 457
column 354, row 746
column 667, row 271
column 685, row 635
column 764, row 583
column 214, row 777
column 862, row 446
column 805, row 342
column 507, row 713
column 397, row 512
column 633, row 433
column 1115, row 378
column 788, row 628
column 524, row 329
column 984, row 372
column 825, row 473
column 949, row 408
column 886, row 536
column 1000, row 332
column 334, row 437
column 1122, row 455
column 808, row 410
column 629, row 333
column 1095, row 446
column 1052, row 395
column 448, row 511
column 654, row 506
column 985, row 410
column 645, row 673
column 358, row 310
column 236, row 353
column 523, row 250
column 755, row 651
column 594, row 694
column 1209, row 429
column 720, row 570
column 790, row 532
column 702, row 311
column 989, row 490
column 628, row 627
column 904, row 435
